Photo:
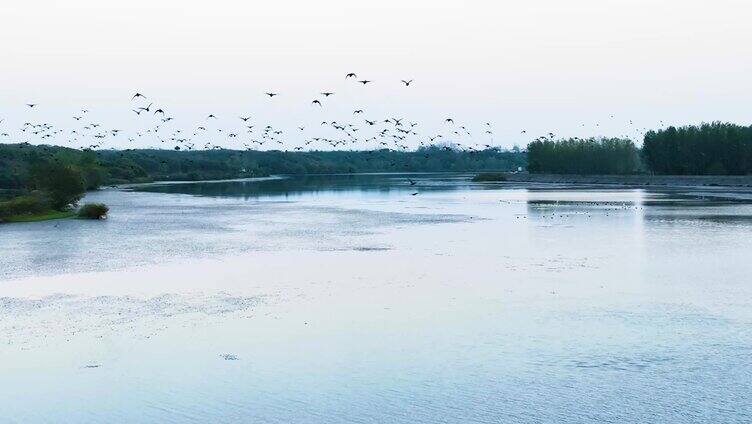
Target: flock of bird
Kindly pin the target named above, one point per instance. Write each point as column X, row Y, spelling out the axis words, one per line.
column 242, row 132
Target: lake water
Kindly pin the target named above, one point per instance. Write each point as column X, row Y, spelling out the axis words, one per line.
column 381, row 299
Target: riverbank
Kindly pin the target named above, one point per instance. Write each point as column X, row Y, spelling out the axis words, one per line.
column 640, row 180
column 45, row 216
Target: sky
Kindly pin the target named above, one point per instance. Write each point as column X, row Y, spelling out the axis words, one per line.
column 571, row 68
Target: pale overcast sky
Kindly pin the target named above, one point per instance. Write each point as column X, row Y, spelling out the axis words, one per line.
column 540, row 65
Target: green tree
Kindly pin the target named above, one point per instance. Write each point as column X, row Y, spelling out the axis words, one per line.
column 709, row 149
column 64, row 184
column 583, row 156
column 93, row 174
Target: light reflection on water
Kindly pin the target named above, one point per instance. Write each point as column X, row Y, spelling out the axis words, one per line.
column 348, row 299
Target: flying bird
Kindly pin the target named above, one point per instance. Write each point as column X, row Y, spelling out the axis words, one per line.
column 407, row 83
column 326, row 94
column 137, row 95
column 271, row 94
column 211, row 115
column 351, row 75
column 31, row 104
column 364, row 82
column 316, row 102
column 245, row 119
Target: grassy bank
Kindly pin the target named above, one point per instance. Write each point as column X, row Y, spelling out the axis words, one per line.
column 43, row 216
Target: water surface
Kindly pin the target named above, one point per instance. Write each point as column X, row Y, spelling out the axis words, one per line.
column 381, row 298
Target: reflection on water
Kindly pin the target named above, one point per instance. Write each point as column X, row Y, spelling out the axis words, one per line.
column 316, row 184
column 347, row 299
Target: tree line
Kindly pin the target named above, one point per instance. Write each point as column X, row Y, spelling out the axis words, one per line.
column 714, row 148
column 708, row 149
column 103, row 167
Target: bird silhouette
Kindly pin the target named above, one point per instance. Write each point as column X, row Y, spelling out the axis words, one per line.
column 390, row 133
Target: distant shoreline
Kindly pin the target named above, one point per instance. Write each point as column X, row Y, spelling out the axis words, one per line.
column 634, row 181
column 219, row 180
column 638, row 180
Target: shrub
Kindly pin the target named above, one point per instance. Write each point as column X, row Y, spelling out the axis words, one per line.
column 93, row 211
